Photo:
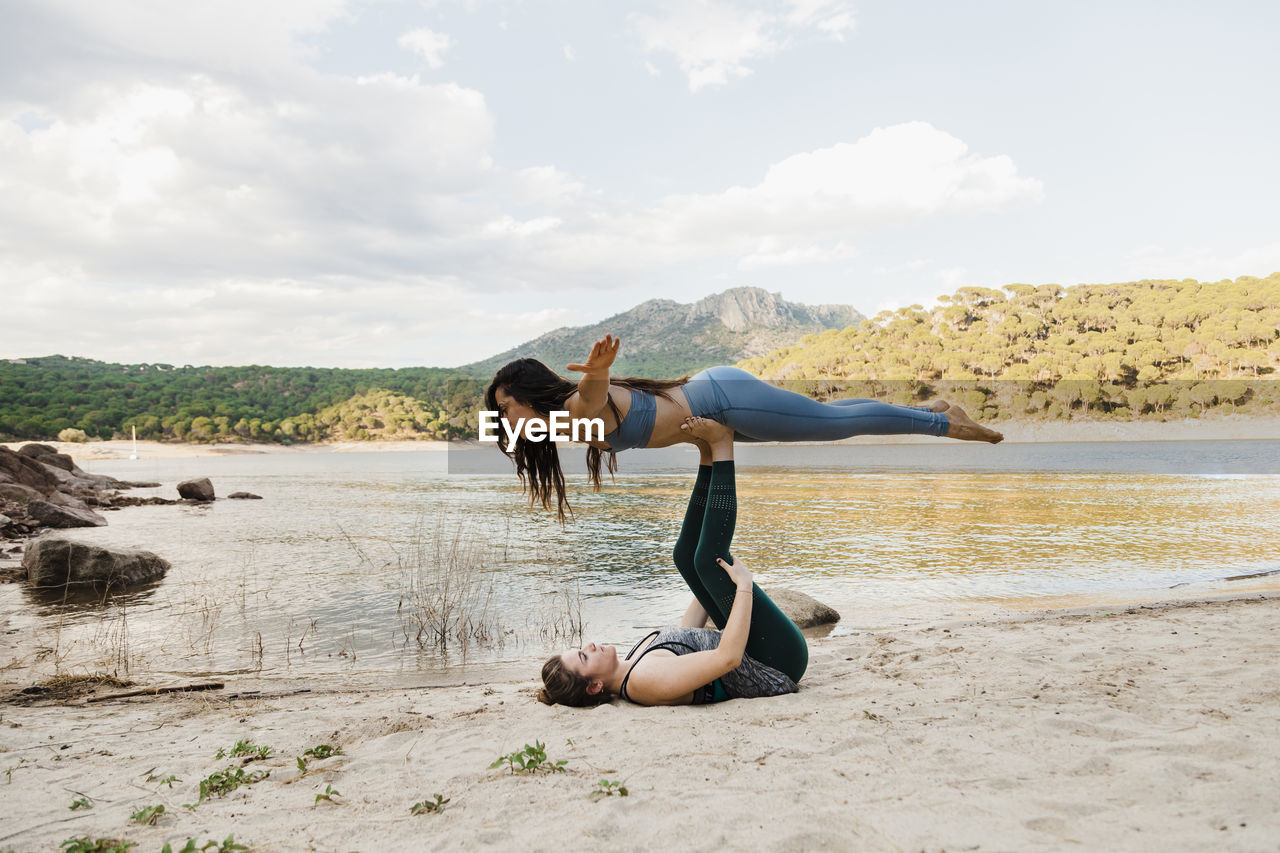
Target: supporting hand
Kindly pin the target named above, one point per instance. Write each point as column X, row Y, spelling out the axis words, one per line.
column 738, row 571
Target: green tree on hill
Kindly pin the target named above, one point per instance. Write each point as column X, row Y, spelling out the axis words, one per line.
column 1147, row 348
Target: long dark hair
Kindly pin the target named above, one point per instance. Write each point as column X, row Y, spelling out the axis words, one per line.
column 540, row 388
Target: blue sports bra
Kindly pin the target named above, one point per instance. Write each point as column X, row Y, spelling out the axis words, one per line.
column 636, row 426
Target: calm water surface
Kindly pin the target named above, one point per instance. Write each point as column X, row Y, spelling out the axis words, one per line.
column 317, row 579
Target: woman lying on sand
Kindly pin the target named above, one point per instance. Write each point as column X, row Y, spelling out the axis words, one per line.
column 650, row 413
column 758, row 651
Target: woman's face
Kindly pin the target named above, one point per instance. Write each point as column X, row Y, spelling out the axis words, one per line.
column 590, row 661
column 512, row 410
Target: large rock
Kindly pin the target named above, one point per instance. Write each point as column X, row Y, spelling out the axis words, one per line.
column 21, row 494
column 26, row 471
column 196, row 490
column 70, row 475
column 46, row 455
column 53, row 561
column 52, row 515
column 804, row 610
column 75, row 478
column 35, row 449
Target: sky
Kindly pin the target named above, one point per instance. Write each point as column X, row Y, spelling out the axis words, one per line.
column 376, row 183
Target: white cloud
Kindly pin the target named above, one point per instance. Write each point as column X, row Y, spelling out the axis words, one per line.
column 1202, row 263
column 357, row 323
column 772, row 252
column 202, row 174
column 901, row 171
column 907, row 266
column 833, row 17
column 57, row 45
column 569, row 53
column 171, row 209
column 715, row 42
column 430, row 45
column 808, row 208
column 952, row 277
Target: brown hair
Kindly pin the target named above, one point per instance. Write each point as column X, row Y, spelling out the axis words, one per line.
column 562, row 687
column 540, row 388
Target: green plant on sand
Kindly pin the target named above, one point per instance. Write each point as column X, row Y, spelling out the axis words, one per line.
column 223, row 782
column 148, row 815
column 247, row 750
column 530, row 760
column 433, row 806
column 227, row 845
column 607, row 788
column 97, row 845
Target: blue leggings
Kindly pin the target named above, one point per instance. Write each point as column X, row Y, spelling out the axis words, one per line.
column 758, row 411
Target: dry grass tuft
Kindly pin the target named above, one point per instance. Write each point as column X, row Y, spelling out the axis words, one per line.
column 446, row 599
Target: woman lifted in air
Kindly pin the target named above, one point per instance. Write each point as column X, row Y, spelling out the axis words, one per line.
column 650, row 413
column 757, row 650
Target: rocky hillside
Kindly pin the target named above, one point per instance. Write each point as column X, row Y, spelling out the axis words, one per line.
column 663, row 338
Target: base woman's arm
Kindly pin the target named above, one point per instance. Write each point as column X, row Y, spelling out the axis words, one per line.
column 662, row 681
column 733, row 640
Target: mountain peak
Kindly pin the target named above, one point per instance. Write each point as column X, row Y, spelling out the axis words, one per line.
column 662, row 337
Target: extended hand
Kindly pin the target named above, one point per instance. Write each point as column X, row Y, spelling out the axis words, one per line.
column 601, row 356
column 738, row 571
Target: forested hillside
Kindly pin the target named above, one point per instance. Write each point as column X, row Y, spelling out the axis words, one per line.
column 1146, row 348
column 39, row 397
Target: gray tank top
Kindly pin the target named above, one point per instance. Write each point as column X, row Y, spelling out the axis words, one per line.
column 750, row 680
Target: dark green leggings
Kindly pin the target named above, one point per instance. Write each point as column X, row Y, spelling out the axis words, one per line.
column 705, row 535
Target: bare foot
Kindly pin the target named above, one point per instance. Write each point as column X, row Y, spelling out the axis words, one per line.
column 966, row 428
column 714, row 433
column 939, row 406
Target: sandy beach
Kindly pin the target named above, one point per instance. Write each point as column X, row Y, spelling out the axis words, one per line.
column 1134, row 725
column 1142, row 727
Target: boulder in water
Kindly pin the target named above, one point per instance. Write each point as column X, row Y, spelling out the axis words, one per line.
column 804, row 610
column 196, row 490
column 244, row 496
column 54, row 561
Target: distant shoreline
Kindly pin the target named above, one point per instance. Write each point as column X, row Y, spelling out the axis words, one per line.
column 1210, row 428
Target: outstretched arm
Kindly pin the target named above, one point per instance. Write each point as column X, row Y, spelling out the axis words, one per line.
column 593, row 389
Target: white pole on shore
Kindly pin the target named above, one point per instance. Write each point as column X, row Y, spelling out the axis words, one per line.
column 134, row 454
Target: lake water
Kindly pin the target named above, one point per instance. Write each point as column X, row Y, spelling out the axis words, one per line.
column 332, row 574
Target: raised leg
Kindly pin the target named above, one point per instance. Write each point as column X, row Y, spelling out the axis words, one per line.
column 687, row 544
column 774, row 639
column 762, row 412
